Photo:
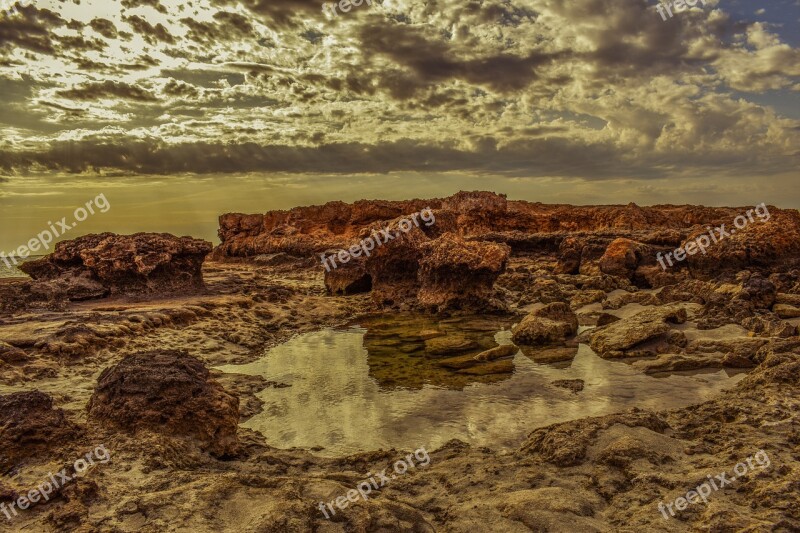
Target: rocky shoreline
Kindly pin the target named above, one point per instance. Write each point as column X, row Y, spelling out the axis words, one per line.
column 112, row 339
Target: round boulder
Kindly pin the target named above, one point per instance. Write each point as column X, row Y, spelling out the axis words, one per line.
column 171, row 393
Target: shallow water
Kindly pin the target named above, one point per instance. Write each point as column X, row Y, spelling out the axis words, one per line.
column 376, row 385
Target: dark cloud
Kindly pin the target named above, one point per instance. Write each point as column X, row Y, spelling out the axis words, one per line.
column 31, row 29
column 531, row 157
column 180, row 89
column 284, row 13
column 431, row 61
column 107, row 89
column 156, row 4
column 150, row 33
column 104, row 27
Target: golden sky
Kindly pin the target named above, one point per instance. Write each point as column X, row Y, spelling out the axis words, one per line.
column 179, row 111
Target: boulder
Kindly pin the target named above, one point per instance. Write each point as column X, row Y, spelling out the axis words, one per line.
column 169, row 393
column 614, row 339
column 459, row 274
column 552, row 324
column 30, row 427
column 621, row 258
column 96, row 265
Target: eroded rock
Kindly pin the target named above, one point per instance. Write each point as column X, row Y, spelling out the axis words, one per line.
column 96, row 265
column 459, row 274
column 552, row 324
column 615, row 339
column 31, row 427
column 169, row 393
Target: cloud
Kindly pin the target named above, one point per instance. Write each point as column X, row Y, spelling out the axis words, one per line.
column 107, row 89
column 585, row 88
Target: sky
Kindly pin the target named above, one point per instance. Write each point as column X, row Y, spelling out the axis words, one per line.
column 179, row 111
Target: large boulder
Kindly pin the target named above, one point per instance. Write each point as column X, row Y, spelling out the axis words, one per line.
column 393, row 266
column 615, row 339
column 459, row 274
column 124, row 264
column 550, row 325
column 621, row 258
column 169, row 393
column 31, row 427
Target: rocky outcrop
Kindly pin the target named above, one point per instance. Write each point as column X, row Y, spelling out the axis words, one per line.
column 169, row 393
column 617, row 338
column 31, row 427
column 459, row 274
column 349, row 278
column 550, row 325
column 772, row 244
column 593, row 241
column 415, row 268
column 96, row 265
column 622, row 257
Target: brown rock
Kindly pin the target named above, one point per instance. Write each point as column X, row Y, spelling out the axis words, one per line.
column 773, row 243
column 786, row 311
column 503, row 366
column 613, row 340
column 575, row 385
column 606, row 318
column 348, row 278
column 549, row 354
column 11, row 354
column 468, row 361
column 448, row 345
column 169, row 393
column 459, row 274
column 622, row 257
column 551, row 324
column 31, row 427
column 499, row 352
column 95, row 265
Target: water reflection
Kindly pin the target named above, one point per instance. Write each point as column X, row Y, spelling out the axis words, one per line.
column 412, row 351
column 356, row 390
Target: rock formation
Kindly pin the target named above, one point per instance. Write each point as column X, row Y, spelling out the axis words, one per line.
column 30, row 427
column 615, row 339
column 169, row 393
column 619, row 240
column 550, row 325
column 94, row 265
